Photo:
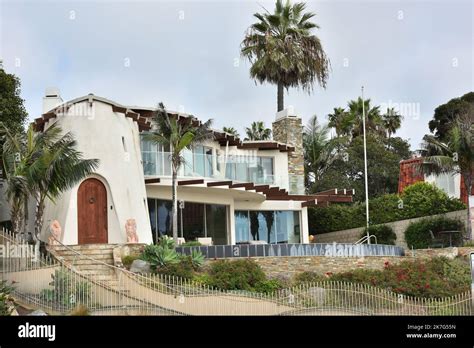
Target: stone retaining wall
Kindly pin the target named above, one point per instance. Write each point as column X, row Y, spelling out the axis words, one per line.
column 287, row 267
column 399, row 227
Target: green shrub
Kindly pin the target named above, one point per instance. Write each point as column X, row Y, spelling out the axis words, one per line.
column 417, row 234
column 417, row 200
column 269, row 286
column 384, row 234
column 308, row 277
column 385, row 208
column 423, row 199
column 66, row 290
column 128, row 260
column 182, row 269
column 191, row 243
column 243, row 274
column 6, row 301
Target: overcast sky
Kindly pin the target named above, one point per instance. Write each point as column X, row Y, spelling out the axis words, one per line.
column 415, row 54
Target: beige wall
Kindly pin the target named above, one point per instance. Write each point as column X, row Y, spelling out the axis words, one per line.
column 399, row 227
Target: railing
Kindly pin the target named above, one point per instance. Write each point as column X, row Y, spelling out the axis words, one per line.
column 366, row 239
column 237, row 168
column 313, row 249
column 61, row 288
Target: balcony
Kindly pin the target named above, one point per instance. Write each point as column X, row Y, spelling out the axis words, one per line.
column 204, row 163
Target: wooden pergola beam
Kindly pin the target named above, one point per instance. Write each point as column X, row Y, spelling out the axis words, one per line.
column 261, row 188
column 310, row 203
column 219, row 183
column 190, row 182
column 246, row 185
column 152, row 180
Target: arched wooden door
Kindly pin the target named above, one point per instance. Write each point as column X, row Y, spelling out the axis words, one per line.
column 92, row 212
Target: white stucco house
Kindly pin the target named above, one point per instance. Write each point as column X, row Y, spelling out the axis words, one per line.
column 230, row 190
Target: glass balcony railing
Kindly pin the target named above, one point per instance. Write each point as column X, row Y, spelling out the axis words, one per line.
column 258, row 170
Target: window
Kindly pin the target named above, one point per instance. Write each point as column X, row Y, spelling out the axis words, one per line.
column 195, row 220
column 270, row 226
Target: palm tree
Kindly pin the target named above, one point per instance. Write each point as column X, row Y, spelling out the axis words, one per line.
column 13, row 167
column 56, row 166
column 372, row 117
column 258, row 131
column 319, row 151
column 41, row 165
column 341, row 121
column 453, row 155
column 283, row 50
column 231, row 131
column 392, row 121
column 179, row 133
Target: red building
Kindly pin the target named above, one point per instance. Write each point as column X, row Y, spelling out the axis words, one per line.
column 452, row 184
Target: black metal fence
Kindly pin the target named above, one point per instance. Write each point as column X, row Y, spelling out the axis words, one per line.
column 314, row 249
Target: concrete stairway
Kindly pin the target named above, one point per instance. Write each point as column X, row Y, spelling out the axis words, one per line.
column 92, row 260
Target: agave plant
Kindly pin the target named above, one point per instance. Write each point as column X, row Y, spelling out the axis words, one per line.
column 160, row 255
column 166, row 242
column 197, row 259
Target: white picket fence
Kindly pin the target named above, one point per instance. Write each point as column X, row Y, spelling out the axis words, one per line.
column 58, row 288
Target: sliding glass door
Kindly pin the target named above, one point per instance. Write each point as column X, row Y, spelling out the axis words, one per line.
column 195, row 220
column 269, row 226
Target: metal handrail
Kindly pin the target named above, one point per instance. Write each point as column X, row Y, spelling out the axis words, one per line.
column 365, row 239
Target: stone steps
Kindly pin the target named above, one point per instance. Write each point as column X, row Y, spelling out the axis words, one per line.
column 93, row 261
column 83, row 247
column 86, row 261
column 88, row 252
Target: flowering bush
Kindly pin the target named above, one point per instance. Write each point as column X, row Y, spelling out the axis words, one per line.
column 432, row 278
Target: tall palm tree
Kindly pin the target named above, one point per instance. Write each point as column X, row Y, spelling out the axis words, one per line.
column 283, row 50
column 179, row 133
column 341, row 121
column 392, row 121
column 372, row 117
column 258, row 131
column 231, row 131
column 453, row 155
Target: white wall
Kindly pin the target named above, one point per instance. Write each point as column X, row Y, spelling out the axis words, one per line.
column 99, row 131
column 449, row 183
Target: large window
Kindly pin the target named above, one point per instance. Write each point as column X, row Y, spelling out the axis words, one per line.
column 250, row 169
column 269, row 226
column 195, row 220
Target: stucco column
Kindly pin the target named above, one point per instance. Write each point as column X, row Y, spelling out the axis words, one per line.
column 304, row 225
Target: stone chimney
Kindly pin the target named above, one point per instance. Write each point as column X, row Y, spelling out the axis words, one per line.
column 51, row 99
column 288, row 129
